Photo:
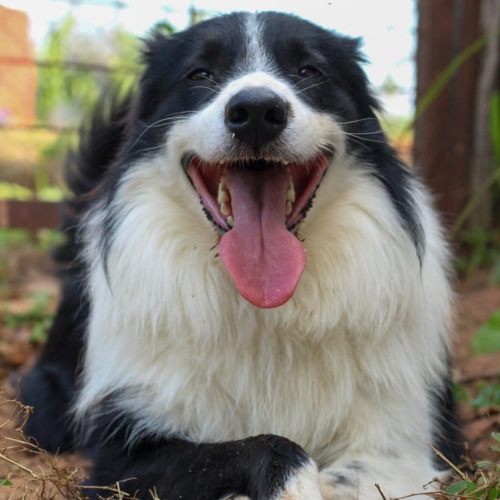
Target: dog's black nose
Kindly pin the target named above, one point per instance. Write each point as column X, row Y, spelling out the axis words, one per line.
column 256, row 116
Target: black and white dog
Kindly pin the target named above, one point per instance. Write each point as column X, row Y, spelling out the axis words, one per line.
column 256, row 284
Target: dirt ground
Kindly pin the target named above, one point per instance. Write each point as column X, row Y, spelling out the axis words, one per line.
column 477, row 300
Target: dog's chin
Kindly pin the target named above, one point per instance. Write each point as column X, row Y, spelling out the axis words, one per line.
column 257, row 205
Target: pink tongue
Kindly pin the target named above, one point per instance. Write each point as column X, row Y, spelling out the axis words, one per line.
column 264, row 259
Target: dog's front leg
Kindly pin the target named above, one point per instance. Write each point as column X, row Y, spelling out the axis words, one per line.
column 265, row 467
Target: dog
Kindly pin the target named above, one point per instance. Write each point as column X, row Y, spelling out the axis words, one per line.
column 256, row 294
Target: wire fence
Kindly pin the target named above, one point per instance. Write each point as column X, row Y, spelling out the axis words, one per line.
column 45, row 93
column 37, row 125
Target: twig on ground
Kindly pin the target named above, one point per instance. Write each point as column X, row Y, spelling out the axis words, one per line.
column 453, row 466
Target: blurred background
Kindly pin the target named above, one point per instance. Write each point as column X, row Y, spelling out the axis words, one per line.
column 434, row 64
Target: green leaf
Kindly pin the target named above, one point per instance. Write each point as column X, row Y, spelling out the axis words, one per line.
column 457, row 488
column 460, row 393
column 487, row 396
column 484, row 464
column 5, row 482
column 495, row 273
column 487, row 339
column 495, row 125
column 471, row 488
column 496, row 435
column 493, row 494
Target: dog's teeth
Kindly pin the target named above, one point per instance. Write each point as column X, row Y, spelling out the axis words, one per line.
column 286, row 162
column 225, row 209
column 223, row 192
column 230, row 221
column 222, row 196
column 290, row 194
column 289, row 208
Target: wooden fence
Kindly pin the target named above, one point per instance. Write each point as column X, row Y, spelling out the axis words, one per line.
column 29, row 214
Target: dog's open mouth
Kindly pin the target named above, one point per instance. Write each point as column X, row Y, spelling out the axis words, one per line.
column 257, row 205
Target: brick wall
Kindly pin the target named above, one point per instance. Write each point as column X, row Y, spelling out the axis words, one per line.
column 17, row 75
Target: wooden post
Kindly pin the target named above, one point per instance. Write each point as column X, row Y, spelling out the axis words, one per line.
column 29, row 214
column 444, row 133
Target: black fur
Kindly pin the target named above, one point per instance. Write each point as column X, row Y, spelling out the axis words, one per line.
column 257, row 467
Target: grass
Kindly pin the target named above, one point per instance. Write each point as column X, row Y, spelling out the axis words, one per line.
column 50, row 479
column 38, row 318
column 53, row 480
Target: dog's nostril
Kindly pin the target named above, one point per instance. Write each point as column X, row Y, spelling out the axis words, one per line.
column 238, row 116
column 276, row 116
column 256, row 116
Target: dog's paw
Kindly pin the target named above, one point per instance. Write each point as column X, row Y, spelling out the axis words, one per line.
column 275, row 468
column 303, row 485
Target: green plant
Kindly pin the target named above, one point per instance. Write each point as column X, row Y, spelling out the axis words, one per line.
column 480, row 249
column 482, row 486
column 488, row 396
column 495, row 126
column 460, row 392
column 487, row 338
column 38, row 317
column 11, row 191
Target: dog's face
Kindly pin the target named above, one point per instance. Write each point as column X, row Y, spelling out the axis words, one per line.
column 253, row 110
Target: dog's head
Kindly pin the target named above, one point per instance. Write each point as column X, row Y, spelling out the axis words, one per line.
column 254, row 109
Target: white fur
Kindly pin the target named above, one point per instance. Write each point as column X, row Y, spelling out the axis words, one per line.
column 257, row 58
column 343, row 369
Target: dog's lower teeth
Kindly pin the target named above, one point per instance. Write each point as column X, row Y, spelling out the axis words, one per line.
column 289, row 207
column 230, row 221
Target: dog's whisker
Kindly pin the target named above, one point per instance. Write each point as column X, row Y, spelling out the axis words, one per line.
column 362, row 133
column 162, row 122
column 358, row 121
column 359, row 142
column 206, row 88
column 310, row 87
column 213, row 81
column 154, row 148
column 167, row 121
column 360, row 138
column 295, row 84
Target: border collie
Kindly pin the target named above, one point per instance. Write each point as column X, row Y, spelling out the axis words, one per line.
column 256, row 286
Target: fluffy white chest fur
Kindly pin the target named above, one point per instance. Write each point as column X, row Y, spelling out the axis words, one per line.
column 326, row 370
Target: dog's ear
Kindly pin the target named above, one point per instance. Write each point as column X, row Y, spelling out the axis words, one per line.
column 155, row 57
column 348, row 59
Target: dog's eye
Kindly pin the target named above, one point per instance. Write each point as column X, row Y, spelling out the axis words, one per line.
column 309, row 72
column 201, row 74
